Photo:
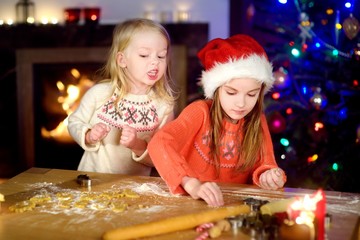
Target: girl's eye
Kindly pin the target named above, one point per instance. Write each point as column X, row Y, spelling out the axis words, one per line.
column 143, row 55
column 162, row 57
column 230, row 93
column 252, row 94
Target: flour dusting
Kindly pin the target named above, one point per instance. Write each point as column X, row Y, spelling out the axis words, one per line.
column 61, row 196
column 39, row 185
column 151, row 188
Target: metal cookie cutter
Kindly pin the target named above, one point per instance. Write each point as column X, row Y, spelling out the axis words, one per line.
column 236, row 222
column 84, row 180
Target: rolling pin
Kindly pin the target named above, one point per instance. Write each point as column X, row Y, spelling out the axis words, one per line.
column 174, row 224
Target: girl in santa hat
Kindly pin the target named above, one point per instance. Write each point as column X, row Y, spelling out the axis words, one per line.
column 225, row 137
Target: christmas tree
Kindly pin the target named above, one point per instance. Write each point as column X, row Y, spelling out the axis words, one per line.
column 313, row 110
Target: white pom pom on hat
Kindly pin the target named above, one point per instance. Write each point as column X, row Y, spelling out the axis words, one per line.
column 239, row 56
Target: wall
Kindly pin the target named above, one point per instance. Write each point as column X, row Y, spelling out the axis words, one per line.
column 215, row 12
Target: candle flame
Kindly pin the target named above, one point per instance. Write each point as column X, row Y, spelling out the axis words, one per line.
column 307, row 203
column 302, row 210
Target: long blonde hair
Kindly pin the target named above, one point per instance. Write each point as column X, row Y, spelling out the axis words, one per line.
column 122, row 36
column 251, row 131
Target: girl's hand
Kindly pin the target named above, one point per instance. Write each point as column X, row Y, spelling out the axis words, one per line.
column 272, row 179
column 208, row 191
column 98, row 132
column 128, row 136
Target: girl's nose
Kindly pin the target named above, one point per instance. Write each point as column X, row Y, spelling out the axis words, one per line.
column 240, row 102
column 154, row 60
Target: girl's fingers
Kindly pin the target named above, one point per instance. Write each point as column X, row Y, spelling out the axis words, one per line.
column 212, row 194
column 278, row 177
column 267, row 179
column 274, row 178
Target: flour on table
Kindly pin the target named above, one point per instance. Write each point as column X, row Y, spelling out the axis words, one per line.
column 56, row 198
column 51, row 198
column 151, row 188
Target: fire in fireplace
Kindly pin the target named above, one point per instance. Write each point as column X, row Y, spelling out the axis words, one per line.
column 46, row 79
column 58, row 89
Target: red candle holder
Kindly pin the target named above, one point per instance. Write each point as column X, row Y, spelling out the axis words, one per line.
column 91, row 15
column 72, row 15
column 311, row 212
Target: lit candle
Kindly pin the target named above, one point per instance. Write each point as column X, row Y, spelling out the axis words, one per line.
column 92, row 15
column 72, row 15
column 311, row 212
column 183, row 16
column 320, row 214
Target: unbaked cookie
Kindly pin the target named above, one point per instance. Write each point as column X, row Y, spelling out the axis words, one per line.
column 64, row 196
column 118, row 206
column 130, row 193
column 22, row 206
column 40, row 199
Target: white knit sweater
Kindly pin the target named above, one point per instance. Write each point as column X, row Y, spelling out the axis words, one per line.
column 108, row 156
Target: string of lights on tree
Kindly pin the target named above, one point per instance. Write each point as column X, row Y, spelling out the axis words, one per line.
column 316, row 81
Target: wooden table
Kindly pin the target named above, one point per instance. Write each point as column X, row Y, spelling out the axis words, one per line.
column 155, row 200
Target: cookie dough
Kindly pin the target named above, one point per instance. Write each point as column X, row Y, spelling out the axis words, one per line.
column 22, row 206
column 64, row 196
column 108, row 200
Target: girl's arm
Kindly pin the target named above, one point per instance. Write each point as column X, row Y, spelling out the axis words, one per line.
column 169, row 145
column 139, row 146
column 268, row 162
column 79, row 121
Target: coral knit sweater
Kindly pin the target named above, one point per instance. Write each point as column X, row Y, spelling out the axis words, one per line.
column 181, row 149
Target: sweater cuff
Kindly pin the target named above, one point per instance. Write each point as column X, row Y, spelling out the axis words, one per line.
column 262, row 169
column 143, row 159
column 256, row 174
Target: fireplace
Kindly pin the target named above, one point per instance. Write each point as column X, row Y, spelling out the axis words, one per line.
column 39, row 71
column 58, row 89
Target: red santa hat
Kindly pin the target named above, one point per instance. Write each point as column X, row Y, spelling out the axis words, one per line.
column 239, row 56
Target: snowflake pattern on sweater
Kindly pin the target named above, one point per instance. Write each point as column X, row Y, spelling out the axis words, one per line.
column 229, row 149
column 141, row 115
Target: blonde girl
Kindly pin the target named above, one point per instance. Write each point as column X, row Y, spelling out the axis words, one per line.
column 118, row 116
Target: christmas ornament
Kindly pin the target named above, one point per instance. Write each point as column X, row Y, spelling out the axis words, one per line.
column 305, row 27
column 351, row 27
column 318, row 100
column 282, row 79
column 277, row 123
column 250, row 12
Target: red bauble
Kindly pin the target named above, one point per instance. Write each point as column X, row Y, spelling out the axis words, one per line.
column 277, row 123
